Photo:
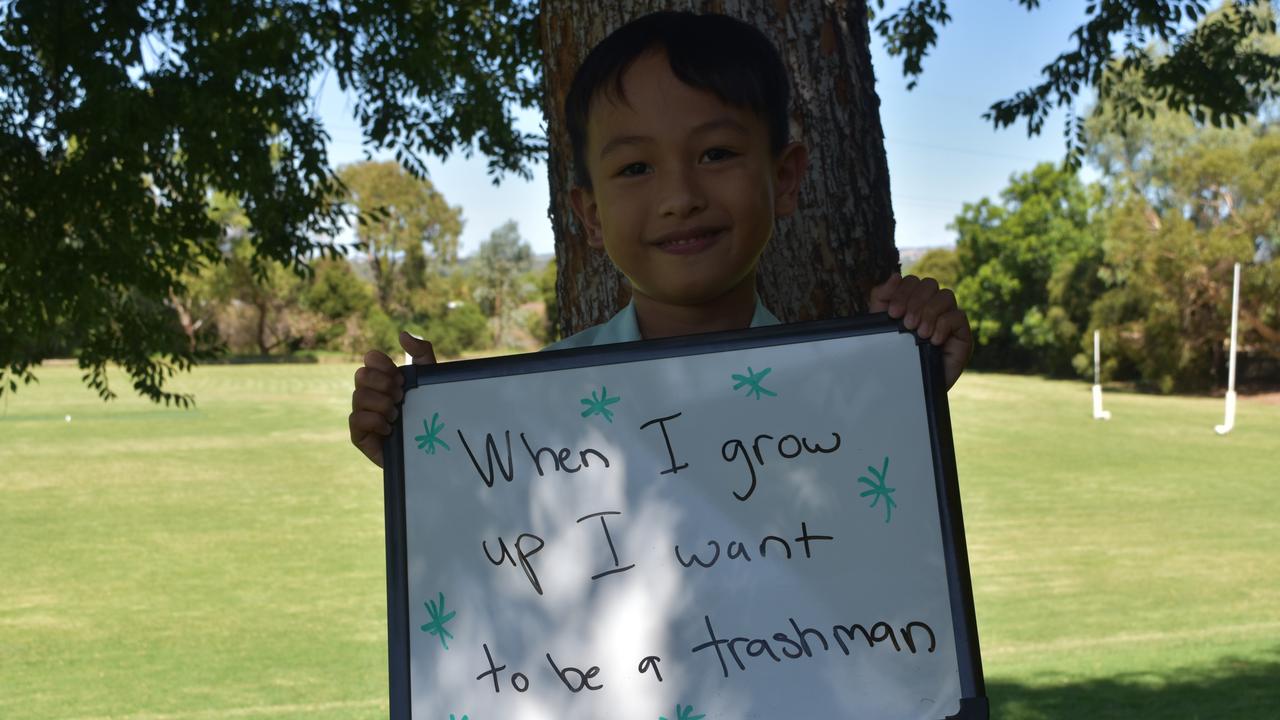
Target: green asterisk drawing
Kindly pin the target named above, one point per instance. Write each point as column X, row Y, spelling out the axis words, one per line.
column 429, row 441
column 600, row 405
column 879, row 489
column 752, row 380
column 454, row 717
column 684, row 713
column 438, row 620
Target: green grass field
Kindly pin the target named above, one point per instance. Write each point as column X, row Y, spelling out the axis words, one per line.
column 227, row 562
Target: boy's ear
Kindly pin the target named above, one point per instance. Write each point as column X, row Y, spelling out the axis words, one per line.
column 584, row 206
column 788, row 170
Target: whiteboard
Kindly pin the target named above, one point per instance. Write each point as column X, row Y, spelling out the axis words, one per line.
column 747, row 525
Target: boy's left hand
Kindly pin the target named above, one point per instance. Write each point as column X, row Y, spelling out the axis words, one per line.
column 932, row 313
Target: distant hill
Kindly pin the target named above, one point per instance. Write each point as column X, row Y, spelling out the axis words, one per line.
column 910, row 255
column 540, row 260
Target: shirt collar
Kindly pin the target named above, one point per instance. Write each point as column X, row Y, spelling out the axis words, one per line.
column 624, row 327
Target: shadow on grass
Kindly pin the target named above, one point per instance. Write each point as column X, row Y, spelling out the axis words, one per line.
column 293, row 359
column 1234, row 688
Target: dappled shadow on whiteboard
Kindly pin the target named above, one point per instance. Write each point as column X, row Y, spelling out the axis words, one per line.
column 833, row 559
column 1234, row 688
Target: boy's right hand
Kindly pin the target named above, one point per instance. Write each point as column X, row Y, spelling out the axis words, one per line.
column 379, row 388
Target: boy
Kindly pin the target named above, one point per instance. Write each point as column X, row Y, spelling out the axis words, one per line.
column 682, row 163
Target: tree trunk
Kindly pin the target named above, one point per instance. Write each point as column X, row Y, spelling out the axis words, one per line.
column 263, row 347
column 498, row 310
column 189, row 325
column 839, row 243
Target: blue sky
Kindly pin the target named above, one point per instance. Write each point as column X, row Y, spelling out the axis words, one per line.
column 941, row 152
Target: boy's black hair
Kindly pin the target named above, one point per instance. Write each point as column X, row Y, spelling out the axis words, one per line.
column 722, row 55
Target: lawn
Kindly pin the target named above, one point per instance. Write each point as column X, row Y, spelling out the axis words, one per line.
column 227, row 561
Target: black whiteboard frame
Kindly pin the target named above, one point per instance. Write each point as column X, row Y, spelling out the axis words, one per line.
column 973, row 700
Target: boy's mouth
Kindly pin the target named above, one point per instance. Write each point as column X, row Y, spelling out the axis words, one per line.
column 690, row 241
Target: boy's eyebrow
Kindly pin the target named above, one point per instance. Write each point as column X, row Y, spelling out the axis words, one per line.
column 721, row 123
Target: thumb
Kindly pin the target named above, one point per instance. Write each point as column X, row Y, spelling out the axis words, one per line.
column 420, row 350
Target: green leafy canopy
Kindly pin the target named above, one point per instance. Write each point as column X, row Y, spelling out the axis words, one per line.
column 119, row 122
column 1210, row 64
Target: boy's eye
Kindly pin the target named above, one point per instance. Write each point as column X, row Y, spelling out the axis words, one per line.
column 635, row 168
column 640, row 168
column 715, row 154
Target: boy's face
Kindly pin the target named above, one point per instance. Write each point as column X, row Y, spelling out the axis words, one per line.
column 685, row 187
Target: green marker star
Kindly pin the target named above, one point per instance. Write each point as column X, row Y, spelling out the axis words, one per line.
column 879, row 489
column 429, row 441
column 684, row 713
column 438, row 620
column 600, row 405
column 752, row 381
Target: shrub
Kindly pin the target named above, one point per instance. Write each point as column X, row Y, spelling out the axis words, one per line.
column 459, row 328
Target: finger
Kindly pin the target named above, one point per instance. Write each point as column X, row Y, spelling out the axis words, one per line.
column 380, row 382
column 924, row 291
column 420, row 350
column 901, row 294
column 878, row 300
column 364, row 399
column 368, row 422
column 957, row 348
column 943, row 302
column 371, row 447
column 943, row 326
column 368, row 431
column 381, row 362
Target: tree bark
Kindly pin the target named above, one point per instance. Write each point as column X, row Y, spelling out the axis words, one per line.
column 822, row 260
column 263, row 348
column 189, row 325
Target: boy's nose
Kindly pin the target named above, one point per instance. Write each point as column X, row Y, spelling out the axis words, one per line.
column 681, row 196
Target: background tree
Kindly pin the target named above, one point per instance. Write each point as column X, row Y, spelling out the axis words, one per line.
column 407, row 229
column 256, row 304
column 940, row 263
column 338, row 296
column 547, row 291
column 1028, row 269
column 1187, row 202
column 261, row 308
column 116, row 122
column 498, row 265
column 1145, row 257
column 457, row 327
column 198, row 305
column 1217, row 66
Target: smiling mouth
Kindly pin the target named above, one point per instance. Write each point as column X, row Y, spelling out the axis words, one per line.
column 686, row 244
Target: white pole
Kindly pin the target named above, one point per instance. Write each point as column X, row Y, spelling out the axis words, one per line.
column 1230, row 420
column 1097, row 357
column 1098, row 412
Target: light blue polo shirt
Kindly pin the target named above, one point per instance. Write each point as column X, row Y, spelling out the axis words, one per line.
column 623, row 327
